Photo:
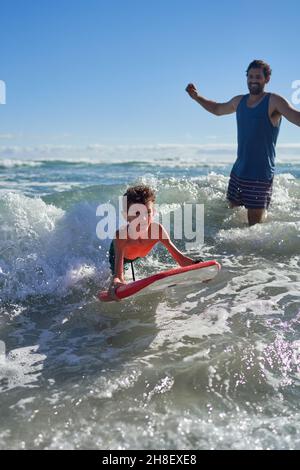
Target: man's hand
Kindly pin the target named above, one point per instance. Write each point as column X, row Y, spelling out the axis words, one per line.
column 218, row 109
column 192, row 91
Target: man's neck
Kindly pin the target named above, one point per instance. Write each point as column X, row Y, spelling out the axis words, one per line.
column 255, row 98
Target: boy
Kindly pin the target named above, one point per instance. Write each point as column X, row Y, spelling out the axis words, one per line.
column 139, row 236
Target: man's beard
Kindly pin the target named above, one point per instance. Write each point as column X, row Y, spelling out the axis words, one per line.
column 256, row 90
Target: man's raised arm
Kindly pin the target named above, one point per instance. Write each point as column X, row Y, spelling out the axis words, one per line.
column 286, row 109
column 219, row 109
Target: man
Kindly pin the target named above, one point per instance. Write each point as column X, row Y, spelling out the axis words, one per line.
column 258, row 121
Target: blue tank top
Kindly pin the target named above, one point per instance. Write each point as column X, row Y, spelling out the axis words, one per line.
column 257, row 139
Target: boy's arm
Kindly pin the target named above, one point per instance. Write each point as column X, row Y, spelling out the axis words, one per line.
column 218, row 109
column 179, row 257
column 118, row 276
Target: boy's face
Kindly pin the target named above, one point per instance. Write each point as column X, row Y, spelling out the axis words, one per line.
column 141, row 214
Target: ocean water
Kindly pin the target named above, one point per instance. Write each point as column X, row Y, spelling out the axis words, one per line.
column 215, row 366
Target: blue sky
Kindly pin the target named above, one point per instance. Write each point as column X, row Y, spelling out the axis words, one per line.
column 82, row 72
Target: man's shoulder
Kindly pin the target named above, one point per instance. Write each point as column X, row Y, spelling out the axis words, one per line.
column 275, row 97
column 276, row 102
column 239, row 97
column 236, row 100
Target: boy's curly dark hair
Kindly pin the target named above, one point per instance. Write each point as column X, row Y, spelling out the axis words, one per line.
column 139, row 194
column 260, row 64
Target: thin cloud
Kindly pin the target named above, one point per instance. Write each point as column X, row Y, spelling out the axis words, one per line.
column 9, row 136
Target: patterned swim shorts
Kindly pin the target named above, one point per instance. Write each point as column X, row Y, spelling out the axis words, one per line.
column 251, row 194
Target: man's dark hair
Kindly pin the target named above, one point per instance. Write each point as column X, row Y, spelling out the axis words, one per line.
column 139, row 194
column 260, row 64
